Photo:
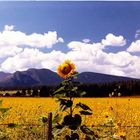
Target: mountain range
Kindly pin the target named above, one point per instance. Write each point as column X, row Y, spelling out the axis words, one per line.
column 36, row 77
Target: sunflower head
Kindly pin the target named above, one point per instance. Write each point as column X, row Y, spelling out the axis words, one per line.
column 121, row 134
column 66, row 69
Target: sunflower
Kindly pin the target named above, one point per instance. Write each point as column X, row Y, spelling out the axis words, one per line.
column 120, row 135
column 66, row 69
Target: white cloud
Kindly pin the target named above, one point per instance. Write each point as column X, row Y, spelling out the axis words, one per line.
column 137, row 35
column 13, row 42
column 85, row 47
column 134, row 47
column 117, row 72
column 39, row 40
column 52, row 60
column 8, row 28
column 112, row 40
column 22, row 61
column 9, row 37
column 6, row 51
column 86, row 40
column 87, row 56
column 91, row 57
column 32, row 58
column 120, row 59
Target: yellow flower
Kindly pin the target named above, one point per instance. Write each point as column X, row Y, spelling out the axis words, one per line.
column 106, row 114
column 66, row 69
column 120, row 135
column 117, row 125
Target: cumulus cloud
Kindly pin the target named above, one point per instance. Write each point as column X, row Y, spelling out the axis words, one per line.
column 91, row 57
column 31, row 58
column 112, row 40
column 134, row 47
column 6, row 51
column 86, row 40
column 8, row 28
column 85, row 47
column 86, row 55
column 137, row 34
column 9, row 37
column 120, row 59
column 22, row 61
column 12, row 42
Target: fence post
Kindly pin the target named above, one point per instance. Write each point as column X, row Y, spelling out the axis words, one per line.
column 49, row 127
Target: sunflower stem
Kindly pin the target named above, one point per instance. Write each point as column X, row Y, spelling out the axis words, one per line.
column 70, row 98
column 71, row 112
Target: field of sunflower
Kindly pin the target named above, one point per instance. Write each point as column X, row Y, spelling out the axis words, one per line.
column 111, row 118
column 121, row 113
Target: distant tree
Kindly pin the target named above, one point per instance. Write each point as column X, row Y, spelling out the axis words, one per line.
column 35, row 92
column 28, row 92
column 44, row 92
column 23, row 92
column 6, row 95
column 18, row 93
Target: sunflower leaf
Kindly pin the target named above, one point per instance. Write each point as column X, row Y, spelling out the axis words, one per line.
column 0, row 102
column 86, row 130
column 83, row 106
column 74, row 88
column 82, row 93
column 85, row 113
column 59, row 90
column 12, row 125
column 58, row 95
column 3, row 110
column 56, row 119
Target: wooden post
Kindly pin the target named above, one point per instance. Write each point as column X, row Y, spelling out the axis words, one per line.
column 49, row 127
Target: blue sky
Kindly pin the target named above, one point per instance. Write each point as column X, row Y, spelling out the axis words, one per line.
column 95, row 35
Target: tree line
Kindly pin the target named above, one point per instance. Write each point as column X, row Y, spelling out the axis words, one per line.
column 125, row 88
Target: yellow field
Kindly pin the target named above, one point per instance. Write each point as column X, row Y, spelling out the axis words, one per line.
column 122, row 111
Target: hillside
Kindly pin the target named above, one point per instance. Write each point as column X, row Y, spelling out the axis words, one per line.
column 35, row 77
column 3, row 75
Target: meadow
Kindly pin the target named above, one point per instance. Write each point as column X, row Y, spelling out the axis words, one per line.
column 121, row 113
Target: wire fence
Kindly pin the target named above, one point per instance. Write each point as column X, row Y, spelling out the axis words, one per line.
column 40, row 132
column 44, row 131
column 109, row 133
column 22, row 132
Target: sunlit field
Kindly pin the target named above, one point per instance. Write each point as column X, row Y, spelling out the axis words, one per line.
column 122, row 113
